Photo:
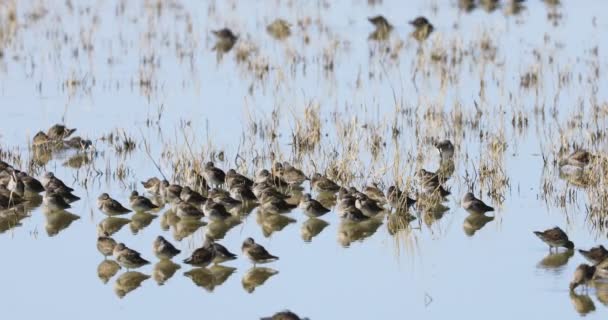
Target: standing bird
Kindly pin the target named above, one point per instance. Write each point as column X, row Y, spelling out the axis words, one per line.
column 127, row 257
column 398, row 199
column 423, row 28
column 284, row 315
column 446, row 148
column 582, row 275
column 163, row 249
column 152, row 185
column 110, row 206
column 474, row 205
column 214, row 176
column 555, row 238
column 279, row 29
column 383, row 28
column 292, row 175
column 595, row 255
column 579, row 158
column 256, row 253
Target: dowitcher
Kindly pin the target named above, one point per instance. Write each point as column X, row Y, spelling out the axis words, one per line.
column 367, row 206
column 582, row 275
column 170, row 192
column 110, row 206
column 59, row 132
column 595, row 255
column 40, row 139
column 105, row 244
column 374, row 192
column 292, row 175
column 186, row 210
column 283, row 315
column 321, row 183
column 555, row 238
column 579, row 158
column 152, row 185
column 141, row 203
column 423, row 28
column 214, row 176
column 273, row 204
column 215, row 211
column 256, row 252
column 234, row 179
column 242, row 193
column 398, row 199
column 201, row 257
column 312, row 207
column 127, row 257
column 221, row 253
column 225, row 41
column 163, row 249
column 383, row 28
column 445, row 147
column 31, row 184
column 474, row 205
column 192, row 197
column 49, row 181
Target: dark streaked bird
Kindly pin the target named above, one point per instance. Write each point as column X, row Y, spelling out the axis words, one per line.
column 234, row 179
column 292, row 175
column 474, row 205
column 40, row 139
column 256, row 252
column 445, row 147
column 284, row 315
column 201, row 257
column 582, row 275
column 595, row 255
column 186, row 210
column 164, row 249
column 110, row 206
column 31, row 184
column 152, row 185
column 398, row 199
column 170, row 192
column 221, row 253
column 321, row 183
column 215, row 211
column 382, row 28
column 49, row 181
column 242, row 193
column 127, row 257
column 192, row 197
column 374, row 192
column 423, row 28
column 225, row 40
column 141, row 203
column 555, row 238
column 312, row 207
column 367, row 206
column 59, row 132
column 214, row 176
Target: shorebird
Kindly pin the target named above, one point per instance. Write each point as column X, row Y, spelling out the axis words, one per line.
column 59, row 132
column 256, row 253
column 152, row 185
column 234, row 179
column 423, row 28
column 312, row 207
column 163, row 249
column 555, row 238
column 398, row 199
column 225, row 40
column 595, row 255
column 127, row 257
column 474, row 205
column 201, row 257
column 110, row 206
column 445, row 147
column 141, row 203
column 214, row 176
column 221, row 253
column 321, row 183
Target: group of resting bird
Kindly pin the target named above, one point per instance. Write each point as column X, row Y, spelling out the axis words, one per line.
column 223, row 194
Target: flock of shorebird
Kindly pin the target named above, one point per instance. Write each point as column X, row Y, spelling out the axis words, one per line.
column 221, row 193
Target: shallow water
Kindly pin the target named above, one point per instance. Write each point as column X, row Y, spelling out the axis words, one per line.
column 147, row 73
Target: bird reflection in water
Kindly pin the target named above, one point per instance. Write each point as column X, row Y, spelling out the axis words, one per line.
column 555, row 260
column 107, row 269
column 164, row 270
column 256, row 277
column 312, row 228
column 128, row 282
column 582, row 303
